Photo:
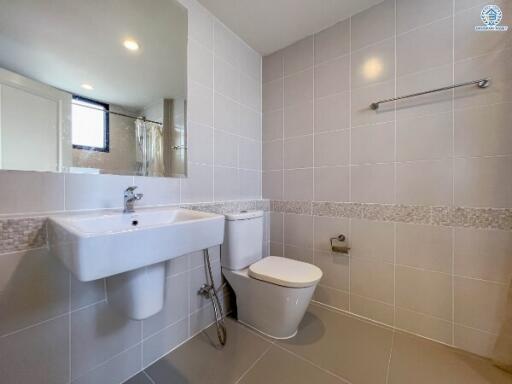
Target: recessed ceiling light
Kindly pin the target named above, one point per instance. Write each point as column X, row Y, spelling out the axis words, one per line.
column 131, row 45
column 88, row 87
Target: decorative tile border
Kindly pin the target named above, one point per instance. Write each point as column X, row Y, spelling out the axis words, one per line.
column 19, row 234
column 481, row 218
column 230, row 206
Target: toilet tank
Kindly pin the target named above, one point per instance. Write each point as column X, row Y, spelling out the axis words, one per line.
column 243, row 238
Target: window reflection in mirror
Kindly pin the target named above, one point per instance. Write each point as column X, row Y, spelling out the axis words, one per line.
column 102, row 97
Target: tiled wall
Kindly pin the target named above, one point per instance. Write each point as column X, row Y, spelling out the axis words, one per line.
column 399, row 168
column 55, row 329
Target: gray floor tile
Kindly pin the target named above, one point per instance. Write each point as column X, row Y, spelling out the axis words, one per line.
column 141, row 378
column 280, row 367
column 199, row 361
column 350, row 348
column 420, row 361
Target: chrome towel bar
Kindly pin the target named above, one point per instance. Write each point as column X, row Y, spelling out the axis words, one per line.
column 482, row 83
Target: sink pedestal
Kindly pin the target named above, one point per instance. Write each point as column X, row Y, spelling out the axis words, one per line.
column 138, row 294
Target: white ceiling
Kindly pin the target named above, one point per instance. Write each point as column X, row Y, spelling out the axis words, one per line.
column 67, row 43
column 269, row 25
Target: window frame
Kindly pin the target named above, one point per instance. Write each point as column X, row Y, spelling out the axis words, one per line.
column 106, row 122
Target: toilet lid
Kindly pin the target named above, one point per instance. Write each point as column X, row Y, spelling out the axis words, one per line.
column 285, row 272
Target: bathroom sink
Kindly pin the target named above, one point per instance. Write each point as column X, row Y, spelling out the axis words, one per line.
column 99, row 245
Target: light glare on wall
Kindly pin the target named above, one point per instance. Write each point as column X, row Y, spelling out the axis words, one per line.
column 372, row 68
column 131, row 45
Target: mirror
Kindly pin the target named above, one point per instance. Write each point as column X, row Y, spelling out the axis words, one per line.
column 93, row 86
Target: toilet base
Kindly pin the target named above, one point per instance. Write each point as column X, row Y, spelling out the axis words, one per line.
column 266, row 334
column 271, row 309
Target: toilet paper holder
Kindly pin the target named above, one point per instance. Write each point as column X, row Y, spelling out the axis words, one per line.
column 338, row 244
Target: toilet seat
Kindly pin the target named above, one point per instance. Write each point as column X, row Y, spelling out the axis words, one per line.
column 285, row 272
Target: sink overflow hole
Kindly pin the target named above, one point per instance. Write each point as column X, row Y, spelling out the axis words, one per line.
column 135, row 222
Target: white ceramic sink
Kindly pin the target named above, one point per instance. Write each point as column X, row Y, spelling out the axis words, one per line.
column 94, row 246
column 130, row 250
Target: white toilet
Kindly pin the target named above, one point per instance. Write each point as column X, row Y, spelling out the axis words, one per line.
column 272, row 293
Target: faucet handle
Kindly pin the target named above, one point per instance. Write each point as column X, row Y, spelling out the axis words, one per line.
column 131, row 189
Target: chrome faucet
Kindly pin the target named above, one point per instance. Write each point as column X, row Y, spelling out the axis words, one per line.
column 129, row 199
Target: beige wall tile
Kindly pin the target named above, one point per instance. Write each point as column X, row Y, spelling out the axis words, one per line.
column 226, row 114
column 493, row 65
column 250, row 184
column 87, row 293
column 299, row 56
column 372, row 309
column 332, row 42
column 272, row 155
column 374, row 24
column 332, row 112
column 272, row 95
column 472, row 340
column 327, row 227
column 298, row 230
column 425, row 138
column 373, row 64
column 483, row 131
column 332, row 297
column 226, row 149
column 39, row 354
column 200, row 104
column 226, row 184
column 427, row 326
column 425, row 183
column 227, row 79
column 273, row 123
column 34, row 287
column 24, row 192
column 373, row 144
column 89, row 347
column 298, row 184
column 200, row 63
column 483, row 182
column 276, row 227
column 373, row 279
column 332, row 148
column 335, row 269
column 434, row 103
column 298, row 119
column 175, row 305
column 424, row 246
column 272, row 187
column 276, row 249
column 332, row 77
column 372, row 239
column 479, row 304
column 298, row 88
column 226, row 44
column 412, row 14
column 298, row 253
column 250, row 123
column 423, row 291
column 373, row 183
column 198, row 186
column 468, row 44
column 298, row 152
column 362, row 98
column 332, row 184
column 426, row 47
column 483, row 254
column 272, row 67
column 200, row 143
column 169, row 338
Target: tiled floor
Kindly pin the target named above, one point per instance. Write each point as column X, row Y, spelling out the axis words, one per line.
column 330, row 347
